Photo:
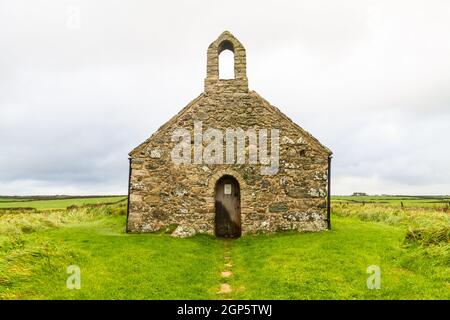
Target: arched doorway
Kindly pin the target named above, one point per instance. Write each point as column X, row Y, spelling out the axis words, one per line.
column 228, row 207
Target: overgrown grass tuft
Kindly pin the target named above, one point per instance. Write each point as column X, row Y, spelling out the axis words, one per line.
column 392, row 215
column 429, row 235
column 14, row 224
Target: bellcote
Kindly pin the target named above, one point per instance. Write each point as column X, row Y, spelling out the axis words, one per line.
column 226, row 41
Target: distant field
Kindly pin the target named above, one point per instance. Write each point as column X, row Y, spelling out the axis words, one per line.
column 407, row 201
column 10, row 199
column 57, row 202
column 62, row 202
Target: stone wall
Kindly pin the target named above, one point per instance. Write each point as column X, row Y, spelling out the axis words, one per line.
column 164, row 194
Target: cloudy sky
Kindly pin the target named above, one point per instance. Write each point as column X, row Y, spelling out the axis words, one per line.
column 83, row 82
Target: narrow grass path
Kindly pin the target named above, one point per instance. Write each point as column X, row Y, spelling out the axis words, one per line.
column 225, row 289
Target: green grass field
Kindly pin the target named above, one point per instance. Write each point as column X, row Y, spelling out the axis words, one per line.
column 44, row 203
column 411, row 248
column 407, row 201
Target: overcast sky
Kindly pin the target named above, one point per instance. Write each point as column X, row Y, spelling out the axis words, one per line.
column 369, row 79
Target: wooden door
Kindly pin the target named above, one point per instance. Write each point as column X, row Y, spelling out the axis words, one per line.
column 228, row 208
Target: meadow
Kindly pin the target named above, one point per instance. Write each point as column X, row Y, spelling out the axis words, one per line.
column 54, row 202
column 409, row 243
column 437, row 202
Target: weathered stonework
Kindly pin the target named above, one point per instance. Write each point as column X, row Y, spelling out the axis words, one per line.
column 162, row 193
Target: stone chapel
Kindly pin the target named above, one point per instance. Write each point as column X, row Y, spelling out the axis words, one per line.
column 229, row 163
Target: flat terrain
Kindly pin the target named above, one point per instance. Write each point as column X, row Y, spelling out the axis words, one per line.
column 406, row 201
column 40, row 203
column 410, row 247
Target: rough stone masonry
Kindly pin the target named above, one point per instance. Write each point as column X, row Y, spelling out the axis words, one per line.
column 182, row 196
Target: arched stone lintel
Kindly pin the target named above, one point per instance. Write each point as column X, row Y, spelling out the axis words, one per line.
column 226, row 172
